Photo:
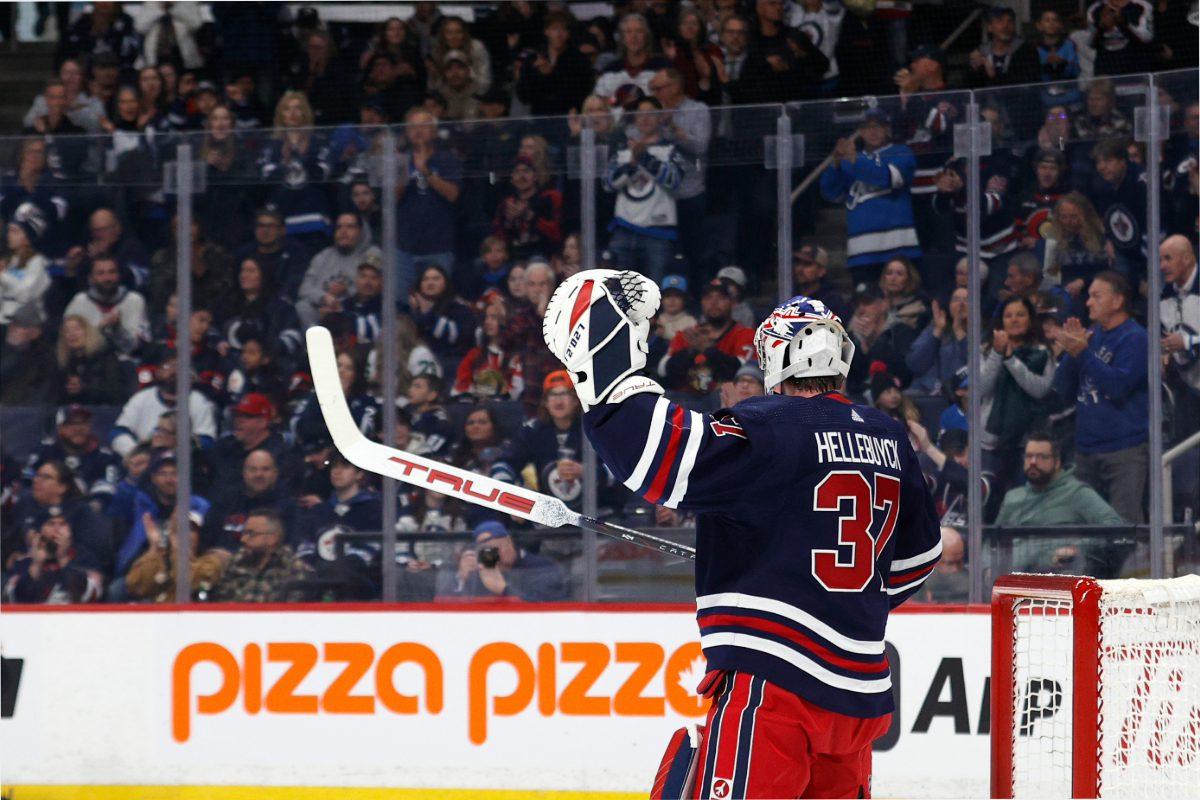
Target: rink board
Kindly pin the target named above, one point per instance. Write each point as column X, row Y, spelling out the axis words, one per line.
column 474, row 701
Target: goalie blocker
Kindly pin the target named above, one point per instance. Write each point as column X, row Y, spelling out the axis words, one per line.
column 802, row 546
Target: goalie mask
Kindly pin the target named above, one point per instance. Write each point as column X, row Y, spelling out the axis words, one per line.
column 597, row 324
column 802, row 339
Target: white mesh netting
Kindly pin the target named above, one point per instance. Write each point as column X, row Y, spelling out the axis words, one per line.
column 1042, row 698
column 1148, row 669
column 1150, row 688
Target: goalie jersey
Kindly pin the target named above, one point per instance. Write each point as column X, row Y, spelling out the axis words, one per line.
column 813, row 521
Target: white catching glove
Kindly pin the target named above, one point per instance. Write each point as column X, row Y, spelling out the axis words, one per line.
column 597, row 324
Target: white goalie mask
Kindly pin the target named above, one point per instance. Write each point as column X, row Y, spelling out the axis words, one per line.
column 802, row 339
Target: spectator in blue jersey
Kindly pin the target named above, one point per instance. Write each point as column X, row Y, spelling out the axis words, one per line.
column 875, row 184
column 352, row 507
column 497, row 567
column 282, row 258
column 155, row 500
column 644, row 174
column 1005, row 59
column 1105, row 370
column 433, row 433
column 296, row 162
column 97, row 469
column 255, row 306
column 367, row 302
column 552, row 443
column 444, row 321
column 1119, row 194
column 427, row 204
column 941, row 349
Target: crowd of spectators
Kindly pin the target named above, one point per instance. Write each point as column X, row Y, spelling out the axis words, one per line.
column 288, row 117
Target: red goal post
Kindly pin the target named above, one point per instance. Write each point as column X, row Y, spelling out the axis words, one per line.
column 1095, row 687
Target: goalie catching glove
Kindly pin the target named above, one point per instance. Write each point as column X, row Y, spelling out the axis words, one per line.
column 597, row 324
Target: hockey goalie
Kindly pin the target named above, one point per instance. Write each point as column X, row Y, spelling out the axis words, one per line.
column 813, row 521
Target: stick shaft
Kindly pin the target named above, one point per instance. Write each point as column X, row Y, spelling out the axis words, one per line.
column 470, row 487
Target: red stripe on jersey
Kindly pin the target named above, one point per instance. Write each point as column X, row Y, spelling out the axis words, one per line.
column 841, row 398
column 779, row 629
column 911, row 575
column 581, row 302
column 730, row 733
column 664, row 468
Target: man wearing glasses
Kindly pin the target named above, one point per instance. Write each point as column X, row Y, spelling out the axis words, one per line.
column 1052, row 496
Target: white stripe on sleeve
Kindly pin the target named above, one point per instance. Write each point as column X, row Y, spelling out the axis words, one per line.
column 657, row 421
column 695, row 436
column 905, row 564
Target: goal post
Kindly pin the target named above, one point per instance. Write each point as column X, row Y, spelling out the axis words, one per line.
column 1095, row 688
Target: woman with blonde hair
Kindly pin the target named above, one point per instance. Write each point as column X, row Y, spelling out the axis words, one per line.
column 900, row 283
column 1076, row 249
column 89, row 368
column 297, row 162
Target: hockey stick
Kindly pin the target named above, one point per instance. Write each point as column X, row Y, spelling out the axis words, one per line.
column 470, row 487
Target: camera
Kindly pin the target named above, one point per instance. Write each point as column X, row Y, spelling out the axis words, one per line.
column 489, row 557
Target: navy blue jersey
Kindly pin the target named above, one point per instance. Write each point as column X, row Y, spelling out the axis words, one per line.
column 813, row 521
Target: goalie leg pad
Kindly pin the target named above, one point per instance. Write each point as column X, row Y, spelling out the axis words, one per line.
column 676, row 776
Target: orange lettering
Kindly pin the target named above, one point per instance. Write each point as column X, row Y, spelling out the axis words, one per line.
column 629, row 701
column 358, row 658
column 681, row 698
column 547, row 679
column 575, row 699
column 282, row 697
column 402, row 653
column 506, row 705
column 181, row 685
column 252, row 679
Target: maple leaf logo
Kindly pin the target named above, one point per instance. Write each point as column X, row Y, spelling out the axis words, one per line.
column 690, row 678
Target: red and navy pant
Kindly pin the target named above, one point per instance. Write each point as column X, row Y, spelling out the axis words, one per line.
column 763, row 741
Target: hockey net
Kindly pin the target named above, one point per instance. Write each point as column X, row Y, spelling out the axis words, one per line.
column 1095, row 687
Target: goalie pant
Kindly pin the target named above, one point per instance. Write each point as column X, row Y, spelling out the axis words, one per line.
column 813, row 521
column 817, row 753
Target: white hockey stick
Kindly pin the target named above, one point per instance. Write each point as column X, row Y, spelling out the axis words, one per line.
column 465, row 485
